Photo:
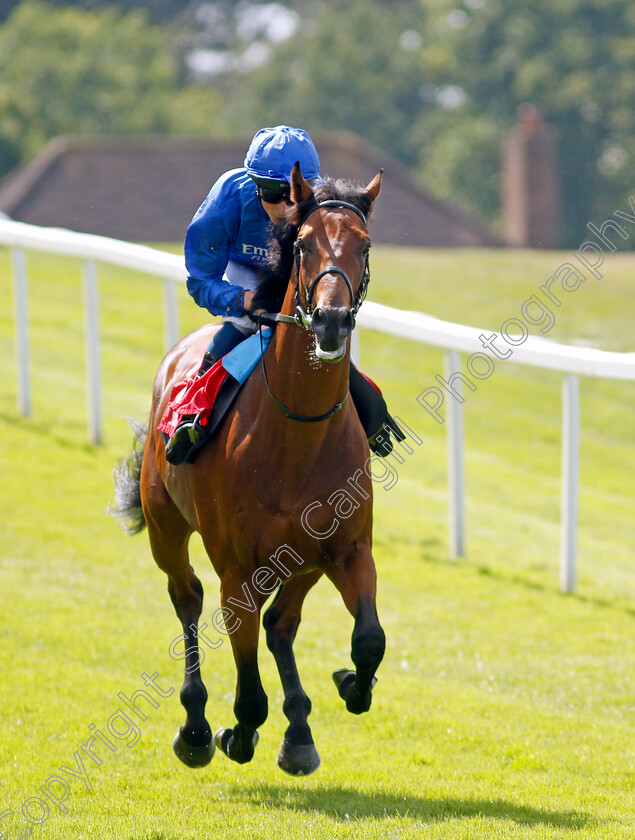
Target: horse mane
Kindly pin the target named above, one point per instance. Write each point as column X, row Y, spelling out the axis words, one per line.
column 274, row 277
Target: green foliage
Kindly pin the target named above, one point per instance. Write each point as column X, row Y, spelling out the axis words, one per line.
column 70, row 71
column 345, row 69
column 158, row 10
column 460, row 157
column 438, row 84
column 571, row 58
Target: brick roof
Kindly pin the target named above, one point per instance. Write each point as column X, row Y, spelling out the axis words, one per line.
column 147, row 188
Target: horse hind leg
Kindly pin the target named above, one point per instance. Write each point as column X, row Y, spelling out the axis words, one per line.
column 193, row 743
column 298, row 755
column 169, row 535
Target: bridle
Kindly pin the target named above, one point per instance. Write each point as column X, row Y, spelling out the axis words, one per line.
column 304, row 317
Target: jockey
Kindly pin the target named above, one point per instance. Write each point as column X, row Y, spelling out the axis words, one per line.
column 225, row 245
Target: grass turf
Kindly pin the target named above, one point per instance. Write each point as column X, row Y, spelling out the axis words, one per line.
column 503, row 708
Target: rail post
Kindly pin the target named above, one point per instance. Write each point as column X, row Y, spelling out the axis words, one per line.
column 93, row 362
column 170, row 313
column 456, row 461
column 21, row 312
column 570, row 480
column 355, row 348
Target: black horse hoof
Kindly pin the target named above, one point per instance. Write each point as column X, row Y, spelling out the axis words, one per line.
column 298, row 759
column 191, row 755
column 223, row 740
column 345, row 682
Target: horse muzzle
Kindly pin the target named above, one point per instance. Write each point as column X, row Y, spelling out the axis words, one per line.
column 331, row 326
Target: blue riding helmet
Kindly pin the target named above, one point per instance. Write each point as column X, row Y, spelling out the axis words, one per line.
column 273, row 151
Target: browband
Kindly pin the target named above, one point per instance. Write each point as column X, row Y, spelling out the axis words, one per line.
column 333, row 202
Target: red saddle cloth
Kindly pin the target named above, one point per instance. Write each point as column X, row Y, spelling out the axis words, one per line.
column 193, row 396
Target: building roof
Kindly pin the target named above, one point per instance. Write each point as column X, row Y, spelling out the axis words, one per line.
column 146, row 188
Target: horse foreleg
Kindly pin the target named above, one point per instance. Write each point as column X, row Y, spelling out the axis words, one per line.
column 298, row 755
column 356, row 580
column 250, row 706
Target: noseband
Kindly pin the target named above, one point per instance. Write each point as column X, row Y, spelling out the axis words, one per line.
column 304, row 317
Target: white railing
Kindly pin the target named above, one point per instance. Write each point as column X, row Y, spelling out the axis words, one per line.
column 452, row 338
column 91, row 249
column 537, row 352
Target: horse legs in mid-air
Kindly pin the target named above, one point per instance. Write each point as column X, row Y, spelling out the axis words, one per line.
column 355, row 579
column 354, row 576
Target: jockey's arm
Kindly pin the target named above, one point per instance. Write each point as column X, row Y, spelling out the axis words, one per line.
column 206, row 257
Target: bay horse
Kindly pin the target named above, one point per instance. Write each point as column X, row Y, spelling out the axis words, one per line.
column 249, row 490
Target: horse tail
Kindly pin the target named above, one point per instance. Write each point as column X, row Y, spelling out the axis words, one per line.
column 127, row 477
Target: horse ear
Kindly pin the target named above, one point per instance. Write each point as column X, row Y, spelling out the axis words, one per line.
column 300, row 188
column 372, row 190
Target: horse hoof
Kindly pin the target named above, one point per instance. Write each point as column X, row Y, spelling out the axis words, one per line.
column 223, row 738
column 191, row 755
column 344, row 678
column 345, row 682
column 298, row 759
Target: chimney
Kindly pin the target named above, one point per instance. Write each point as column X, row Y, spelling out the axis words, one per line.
column 531, row 200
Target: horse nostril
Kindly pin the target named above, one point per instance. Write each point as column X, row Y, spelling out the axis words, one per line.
column 346, row 321
column 318, row 317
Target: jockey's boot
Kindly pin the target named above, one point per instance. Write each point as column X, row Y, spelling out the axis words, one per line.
column 189, row 432
column 373, row 414
column 209, row 359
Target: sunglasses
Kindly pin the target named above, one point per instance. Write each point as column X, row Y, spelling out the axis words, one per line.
column 275, row 194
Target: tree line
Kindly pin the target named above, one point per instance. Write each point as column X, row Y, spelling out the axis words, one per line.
column 436, row 83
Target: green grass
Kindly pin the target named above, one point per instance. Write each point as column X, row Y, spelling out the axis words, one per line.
column 503, row 709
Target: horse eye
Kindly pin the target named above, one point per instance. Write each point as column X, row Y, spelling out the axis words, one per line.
column 301, row 246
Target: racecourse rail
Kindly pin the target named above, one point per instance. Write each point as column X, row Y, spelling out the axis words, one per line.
column 453, row 339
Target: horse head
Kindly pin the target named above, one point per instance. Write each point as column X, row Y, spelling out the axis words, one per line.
column 331, row 263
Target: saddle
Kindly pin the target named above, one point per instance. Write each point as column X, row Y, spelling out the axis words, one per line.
column 210, row 396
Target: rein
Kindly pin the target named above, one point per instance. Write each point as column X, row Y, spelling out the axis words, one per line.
column 304, row 317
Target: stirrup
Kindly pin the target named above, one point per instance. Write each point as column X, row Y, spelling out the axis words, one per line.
column 187, row 435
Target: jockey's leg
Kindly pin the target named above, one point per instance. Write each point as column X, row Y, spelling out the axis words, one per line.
column 373, row 414
column 228, row 337
column 235, row 328
column 190, row 432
